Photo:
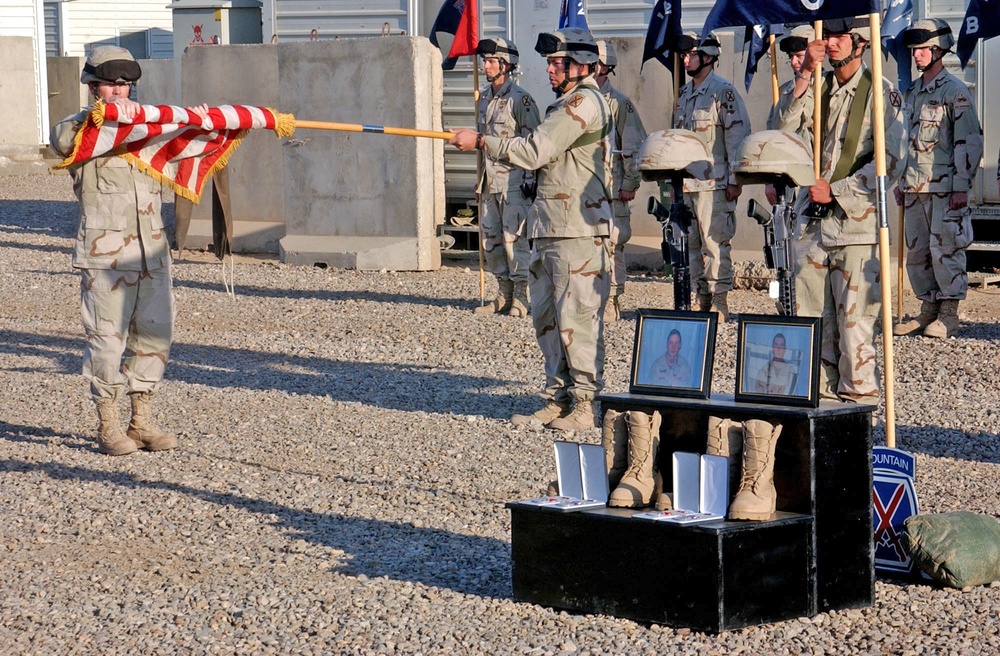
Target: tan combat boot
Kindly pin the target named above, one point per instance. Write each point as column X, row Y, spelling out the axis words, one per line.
column 704, row 302
column 637, row 486
column 500, row 304
column 111, row 439
column 581, row 417
column 614, row 438
column 519, row 300
column 725, row 438
column 720, row 306
column 756, row 498
column 552, row 410
column 947, row 322
column 142, row 430
column 613, row 310
column 928, row 313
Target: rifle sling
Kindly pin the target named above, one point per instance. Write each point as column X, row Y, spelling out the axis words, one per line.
column 849, row 163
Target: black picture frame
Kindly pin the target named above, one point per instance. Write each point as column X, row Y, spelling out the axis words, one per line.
column 651, row 371
column 764, row 374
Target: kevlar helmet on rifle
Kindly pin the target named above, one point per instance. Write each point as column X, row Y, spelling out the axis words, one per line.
column 668, row 152
column 774, row 157
column 500, row 48
column 929, row 33
column 575, row 43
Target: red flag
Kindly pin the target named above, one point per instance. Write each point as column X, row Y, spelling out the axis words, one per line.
column 461, row 18
column 171, row 144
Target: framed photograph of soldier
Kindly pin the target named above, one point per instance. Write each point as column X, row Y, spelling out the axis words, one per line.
column 777, row 360
column 673, row 353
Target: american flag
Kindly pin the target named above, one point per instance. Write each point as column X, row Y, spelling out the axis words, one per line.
column 171, row 144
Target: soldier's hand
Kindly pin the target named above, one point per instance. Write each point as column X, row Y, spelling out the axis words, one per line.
column 626, row 196
column 959, row 199
column 815, row 54
column 820, row 192
column 898, row 195
column 126, row 107
column 464, row 139
column 733, row 192
column 771, row 194
column 201, row 111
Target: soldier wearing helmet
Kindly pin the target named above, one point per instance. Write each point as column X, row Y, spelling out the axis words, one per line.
column 944, row 151
column 505, row 110
column 123, row 258
column 629, row 134
column 569, row 227
column 836, row 275
column 794, row 45
column 711, row 107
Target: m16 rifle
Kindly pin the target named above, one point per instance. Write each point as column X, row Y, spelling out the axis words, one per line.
column 779, row 226
column 676, row 224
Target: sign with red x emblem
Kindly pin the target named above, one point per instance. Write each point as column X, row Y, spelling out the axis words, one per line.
column 894, row 499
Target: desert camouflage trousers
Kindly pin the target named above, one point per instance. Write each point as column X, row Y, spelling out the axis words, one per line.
column 936, row 237
column 569, row 283
column 128, row 313
column 505, row 246
column 621, row 232
column 841, row 285
column 709, row 241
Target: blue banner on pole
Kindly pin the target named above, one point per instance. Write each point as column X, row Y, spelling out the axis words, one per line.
column 898, row 17
column 727, row 13
column 663, row 31
column 573, row 14
column 982, row 21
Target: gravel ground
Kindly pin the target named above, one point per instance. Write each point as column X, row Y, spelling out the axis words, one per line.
column 345, row 462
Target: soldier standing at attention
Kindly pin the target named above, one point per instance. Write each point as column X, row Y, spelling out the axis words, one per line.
column 709, row 106
column 837, row 270
column 569, row 227
column 505, row 110
column 944, row 151
column 629, row 135
column 793, row 45
column 124, row 262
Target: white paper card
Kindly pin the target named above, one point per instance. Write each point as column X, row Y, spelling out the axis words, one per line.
column 714, row 492
column 568, row 470
column 595, row 478
column 686, row 475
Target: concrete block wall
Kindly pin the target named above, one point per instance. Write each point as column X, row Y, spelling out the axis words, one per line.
column 19, row 112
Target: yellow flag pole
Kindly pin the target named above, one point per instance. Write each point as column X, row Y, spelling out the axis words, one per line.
column 817, row 106
column 372, row 129
column 774, row 72
column 878, row 134
column 479, row 179
column 900, row 257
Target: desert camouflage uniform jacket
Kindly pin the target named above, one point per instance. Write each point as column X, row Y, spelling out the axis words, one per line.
column 571, row 151
column 945, row 141
column 717, row 114
column 629, row 135
column 121, row 226
column 510, row 112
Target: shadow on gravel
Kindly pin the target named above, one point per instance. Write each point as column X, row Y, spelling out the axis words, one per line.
column 50, row 217
column 21, row 246
column 462, row 563
column 391, row 386
column 949, row 443
column 330, row 295
column 972, row 330
column 41, row 435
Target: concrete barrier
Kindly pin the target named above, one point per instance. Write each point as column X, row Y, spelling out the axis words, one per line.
column 19, row 111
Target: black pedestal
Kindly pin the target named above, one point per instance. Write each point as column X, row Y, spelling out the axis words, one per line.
column 823, row 477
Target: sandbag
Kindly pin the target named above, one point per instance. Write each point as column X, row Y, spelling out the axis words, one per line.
column 959, row 549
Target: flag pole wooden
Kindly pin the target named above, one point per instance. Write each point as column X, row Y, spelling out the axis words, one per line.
column 479, row 179
column 817, row 106
column 372, row 129
column 774, row 72
column 900, row 257
column 878, row 134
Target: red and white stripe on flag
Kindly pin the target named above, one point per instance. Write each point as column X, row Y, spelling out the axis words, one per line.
column 172, row 144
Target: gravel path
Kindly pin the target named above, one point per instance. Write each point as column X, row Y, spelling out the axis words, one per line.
column 344, row 464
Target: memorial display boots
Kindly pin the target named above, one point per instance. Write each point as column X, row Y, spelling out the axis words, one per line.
column 757, row 497
column 928, row 313
column 614, row 438
column 501, row 304
column 581, row 417
column 142, row 429
column 947, row 321
column 638, row 485
column 552, row 410
column 725, row 438
column 111, row 439
column 519, row 305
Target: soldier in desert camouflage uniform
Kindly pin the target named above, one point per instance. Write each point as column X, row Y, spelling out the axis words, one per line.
column 836, row 275
column 945, row 149
column 569, row 227
column 124, row 262
column 505, row 110
column 629, row 135
column 711, row 107
column 794, row 45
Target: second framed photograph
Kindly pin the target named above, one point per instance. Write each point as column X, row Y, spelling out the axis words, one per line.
column 673, row 353
column 777, row 360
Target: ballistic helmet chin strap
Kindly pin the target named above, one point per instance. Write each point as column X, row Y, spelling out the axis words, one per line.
column 702, row 64
column 561, row 88
column 855, row 41
column 934, row 59
column 505, row 69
